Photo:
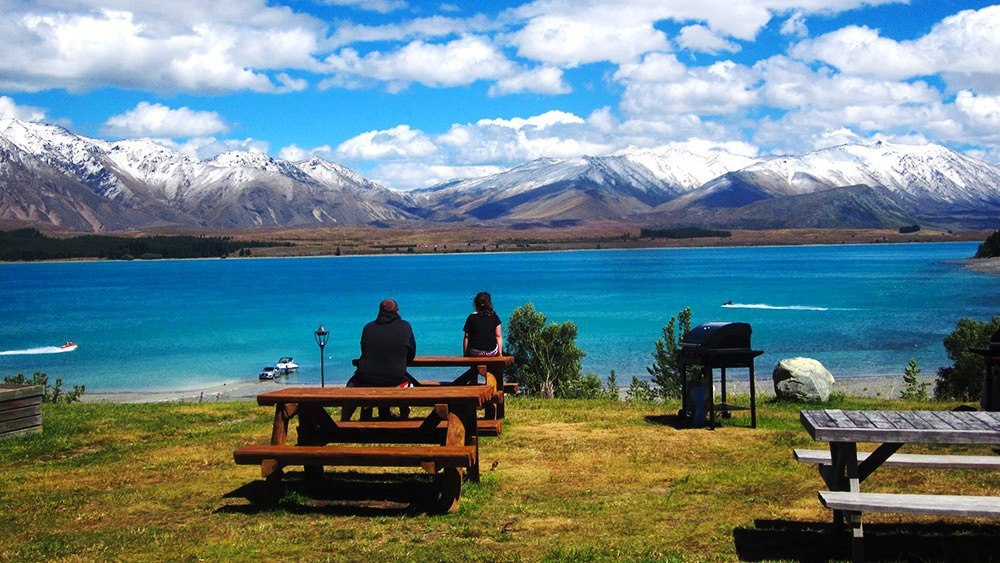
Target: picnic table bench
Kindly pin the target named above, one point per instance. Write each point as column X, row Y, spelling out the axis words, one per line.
column 844, row 468
column 476, row 367
column 447, row 436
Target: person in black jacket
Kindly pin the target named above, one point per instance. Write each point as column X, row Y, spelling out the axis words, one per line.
column 387, row 346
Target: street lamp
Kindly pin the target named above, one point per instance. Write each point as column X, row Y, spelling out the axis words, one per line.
column 322, row 335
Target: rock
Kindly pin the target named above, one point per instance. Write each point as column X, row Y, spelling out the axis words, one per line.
column 803, row 380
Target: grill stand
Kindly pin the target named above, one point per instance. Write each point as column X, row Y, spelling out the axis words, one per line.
column 709, row 360
column 992, row 359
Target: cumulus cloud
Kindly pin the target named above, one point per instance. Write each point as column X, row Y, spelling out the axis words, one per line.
column 961, row 47
column 396, row 143
column 11, row 110
column 795, row 26
column 721, row 88
column 541, row 80
column 168, row 47
column 703, row 39
column 158, row 120
column 380, row 6
column 570, row 42
column 459, row 62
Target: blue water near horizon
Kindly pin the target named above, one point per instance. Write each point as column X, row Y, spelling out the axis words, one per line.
column 184, row 324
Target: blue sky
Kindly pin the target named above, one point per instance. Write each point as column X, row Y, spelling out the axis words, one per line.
column 411, row 93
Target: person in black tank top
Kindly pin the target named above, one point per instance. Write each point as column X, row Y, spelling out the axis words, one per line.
column 483, row 336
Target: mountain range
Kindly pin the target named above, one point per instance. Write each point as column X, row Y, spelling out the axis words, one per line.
column 50, row 176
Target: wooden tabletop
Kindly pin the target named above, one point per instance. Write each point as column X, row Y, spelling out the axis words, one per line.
column 929, row 427
column 476, row 395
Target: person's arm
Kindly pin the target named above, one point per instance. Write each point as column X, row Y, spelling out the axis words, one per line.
column 412, row 352
column 465, row 343
column 499, row 341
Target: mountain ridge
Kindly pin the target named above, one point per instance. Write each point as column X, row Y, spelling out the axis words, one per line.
column 51, row 176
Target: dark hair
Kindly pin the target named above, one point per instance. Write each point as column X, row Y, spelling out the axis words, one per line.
column 388, row 306
column 483, row 303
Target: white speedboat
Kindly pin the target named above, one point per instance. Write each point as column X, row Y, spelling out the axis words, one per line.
column 269, row 372
column 285, row 365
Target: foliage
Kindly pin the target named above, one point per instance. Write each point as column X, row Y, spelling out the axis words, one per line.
column 612, row 385
column 963, row 380
column 589, row 386
column 30, row 244
column 52, row 394
column 666, row 371
column 639, row 391
column 913, row 389
column 907, row 229
column 547, row 361
column 683, row 232
column 990, row 248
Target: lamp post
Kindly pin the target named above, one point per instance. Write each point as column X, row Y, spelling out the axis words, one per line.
column 322, row 335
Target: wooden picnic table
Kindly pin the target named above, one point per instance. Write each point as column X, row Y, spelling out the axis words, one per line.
column 450, row 428
column 844, row 469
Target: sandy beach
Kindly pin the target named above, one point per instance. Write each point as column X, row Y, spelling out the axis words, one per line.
column 865, row 386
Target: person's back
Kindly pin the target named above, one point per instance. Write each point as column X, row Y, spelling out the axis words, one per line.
column 387, row 345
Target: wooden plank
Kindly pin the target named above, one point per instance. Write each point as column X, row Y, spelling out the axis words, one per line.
column 364, row 456
column 989, row 420
column 23, row 402
column 938, row 461
column 937, row 505
column 20, row 424
column 840, row 419
column 917, row 420
column 10, row 392
column 879, row 419
column 23, row 412
column 29, row 430
column 475, row 395
column 859, row 419
column 966, row 423
column 897, row 420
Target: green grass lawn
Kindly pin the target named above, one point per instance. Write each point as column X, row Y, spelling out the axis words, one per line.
column 567, row 481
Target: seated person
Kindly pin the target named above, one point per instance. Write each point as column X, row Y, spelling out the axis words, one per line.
column 387, row 345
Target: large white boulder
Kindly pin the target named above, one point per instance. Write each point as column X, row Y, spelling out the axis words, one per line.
column 803, row 380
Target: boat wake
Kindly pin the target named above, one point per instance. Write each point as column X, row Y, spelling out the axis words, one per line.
column 39, row 350
column 774, row 307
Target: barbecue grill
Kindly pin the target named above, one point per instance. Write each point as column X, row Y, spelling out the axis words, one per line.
column 718, row 345
column 991, row 356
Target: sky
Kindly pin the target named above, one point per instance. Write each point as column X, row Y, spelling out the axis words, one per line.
column 412, row 93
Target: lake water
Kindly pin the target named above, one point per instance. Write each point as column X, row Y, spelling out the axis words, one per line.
column 861, row 310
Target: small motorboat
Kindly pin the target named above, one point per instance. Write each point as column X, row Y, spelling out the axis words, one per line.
column 269, row 372
column 69, row 346
column 286, row 366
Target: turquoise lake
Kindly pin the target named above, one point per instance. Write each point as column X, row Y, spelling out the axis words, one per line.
column 146, row 325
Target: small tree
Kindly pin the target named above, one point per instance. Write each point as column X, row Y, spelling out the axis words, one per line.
column 913, row 389
column 665, row 373
column 546, row 359
column 639, row 391
column 963, row 381
column 51, row 394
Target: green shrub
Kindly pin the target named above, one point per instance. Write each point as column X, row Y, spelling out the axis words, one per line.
column 913, row 389
column 547, row 361
column 963, row 380
column 52, row 394
column 666, row 371
column 990, row 248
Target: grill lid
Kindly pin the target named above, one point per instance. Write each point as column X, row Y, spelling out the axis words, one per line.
column 717, row 336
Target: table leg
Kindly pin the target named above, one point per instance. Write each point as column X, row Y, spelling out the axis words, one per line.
column 467, row 416
column 279, row 435
column 753, row 399
column 707, row 374
column 847, row 477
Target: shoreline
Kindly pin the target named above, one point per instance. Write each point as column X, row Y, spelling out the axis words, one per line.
column 871, row 386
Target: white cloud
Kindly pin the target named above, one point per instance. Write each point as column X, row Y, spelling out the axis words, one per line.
column 566, row 41
column 380, row 6
column 10, row 110
column 795, row 26
column 702, row 39
column 158, row 120
column 722, row 88
column 964, row 48
column 397, row 143
column 168, row 47
column 412, row 175
column 420, row 28
column 459, row 62
column 541, row 80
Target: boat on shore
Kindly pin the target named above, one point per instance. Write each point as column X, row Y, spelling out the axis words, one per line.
column 286, row 366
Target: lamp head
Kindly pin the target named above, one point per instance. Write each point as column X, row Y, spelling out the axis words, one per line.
column 322, row 335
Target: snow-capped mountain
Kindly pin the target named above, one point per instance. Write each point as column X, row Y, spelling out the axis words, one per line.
column 49, row 175
column 928, row 184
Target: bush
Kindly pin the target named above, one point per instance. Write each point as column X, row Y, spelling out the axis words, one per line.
column 546, row 359
column 963, row 381
column 51, row 394
column 666, row 371
column 639, row 391
column 990, row 248
column 913, row 389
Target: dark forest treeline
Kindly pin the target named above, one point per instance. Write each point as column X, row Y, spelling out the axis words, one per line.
column 990, row 247
column 683, row 232
column 30, row 244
